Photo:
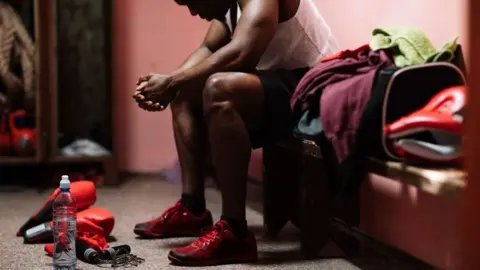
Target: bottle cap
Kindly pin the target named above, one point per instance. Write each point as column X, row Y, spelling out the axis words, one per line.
column 65, row 182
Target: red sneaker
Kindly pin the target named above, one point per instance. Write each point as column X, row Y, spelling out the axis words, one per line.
column 177, row 221
column 219, row 246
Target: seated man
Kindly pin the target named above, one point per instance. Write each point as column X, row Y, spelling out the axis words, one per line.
column 231, row 95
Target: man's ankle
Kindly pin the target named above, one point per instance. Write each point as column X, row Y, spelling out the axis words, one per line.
column 194, row 204
column 239, row 226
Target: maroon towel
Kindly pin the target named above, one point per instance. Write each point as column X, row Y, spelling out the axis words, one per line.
column 342, row 88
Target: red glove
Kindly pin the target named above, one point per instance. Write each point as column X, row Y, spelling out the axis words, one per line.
column 92, row 220
column 5, row 140
column 22, row 130
column 89, row 239
column 84, row 193
column 439, row 114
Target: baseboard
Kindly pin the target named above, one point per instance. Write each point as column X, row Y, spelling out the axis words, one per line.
column 127, row 175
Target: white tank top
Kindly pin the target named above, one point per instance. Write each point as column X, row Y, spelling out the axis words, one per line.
column 299, row 42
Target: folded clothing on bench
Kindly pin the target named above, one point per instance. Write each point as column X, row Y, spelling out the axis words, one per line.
column 338, row 90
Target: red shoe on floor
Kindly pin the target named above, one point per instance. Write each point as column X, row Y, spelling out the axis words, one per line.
column 177, row 221
column 219, row 246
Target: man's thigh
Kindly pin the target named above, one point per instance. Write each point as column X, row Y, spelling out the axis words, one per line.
column 262, row 98
column 243, row 90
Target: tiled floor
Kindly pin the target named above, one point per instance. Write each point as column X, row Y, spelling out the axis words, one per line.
column 140, row 200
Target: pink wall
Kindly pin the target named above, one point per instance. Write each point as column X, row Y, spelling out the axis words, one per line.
column 352, row 21
column 149, row 36
column 154, row 35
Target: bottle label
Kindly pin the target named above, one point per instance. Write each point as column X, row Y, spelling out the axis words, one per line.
column 64, row 239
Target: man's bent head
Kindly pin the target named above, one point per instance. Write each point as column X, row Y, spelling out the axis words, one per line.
column 207, row 9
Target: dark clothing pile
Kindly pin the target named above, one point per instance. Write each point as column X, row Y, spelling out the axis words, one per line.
column 337, row 90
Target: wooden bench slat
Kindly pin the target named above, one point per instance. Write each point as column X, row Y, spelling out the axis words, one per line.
column 436, row 181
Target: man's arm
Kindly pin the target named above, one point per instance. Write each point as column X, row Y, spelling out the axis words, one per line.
column 217, row 37
column 254, row 32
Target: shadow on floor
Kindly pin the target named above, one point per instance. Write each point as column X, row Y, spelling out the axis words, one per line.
column 289, row 235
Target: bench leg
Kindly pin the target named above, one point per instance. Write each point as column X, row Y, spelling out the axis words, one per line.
column 276, row 188
column 349, row 213
column 314, row 209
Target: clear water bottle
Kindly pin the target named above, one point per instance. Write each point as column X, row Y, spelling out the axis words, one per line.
column 64, row 228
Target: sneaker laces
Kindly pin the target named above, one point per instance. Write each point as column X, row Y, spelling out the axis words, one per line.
column 211, row 235
column 171, row 212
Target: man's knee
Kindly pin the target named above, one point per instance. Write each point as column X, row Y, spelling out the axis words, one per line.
column 218, row 92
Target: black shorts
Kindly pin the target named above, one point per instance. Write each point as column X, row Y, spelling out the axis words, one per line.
column 278, row 86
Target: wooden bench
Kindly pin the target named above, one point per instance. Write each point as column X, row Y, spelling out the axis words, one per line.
column 296, row 189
